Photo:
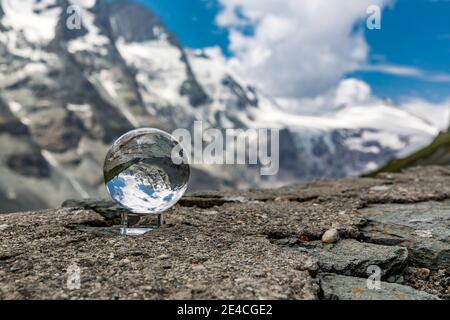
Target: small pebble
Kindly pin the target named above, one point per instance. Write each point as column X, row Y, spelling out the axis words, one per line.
column 14, row 269
column 147, row 288
column 330, row 236
column 424, row 273
column 3, row 227
column 380, row 188
column 198, row 267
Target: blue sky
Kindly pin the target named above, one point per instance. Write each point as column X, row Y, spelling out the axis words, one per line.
column 193, row 21
column 415, row 34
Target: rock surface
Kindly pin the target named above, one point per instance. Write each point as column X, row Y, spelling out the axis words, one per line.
column 248, row 244
column 351, row 257
column 423, row 227
column 336, row 287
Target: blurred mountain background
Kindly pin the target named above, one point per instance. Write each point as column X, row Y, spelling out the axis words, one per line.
column 67, row 94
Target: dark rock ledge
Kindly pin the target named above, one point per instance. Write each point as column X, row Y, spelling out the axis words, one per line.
column 248, row 245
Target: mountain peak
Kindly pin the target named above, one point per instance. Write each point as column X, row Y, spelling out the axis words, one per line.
column 134, row 22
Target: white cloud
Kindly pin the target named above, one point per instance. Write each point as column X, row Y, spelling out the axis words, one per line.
column 299, row 48
column 300, row 51
column 437, row 114
column 393, row 69
column 407, row 71
column 352, row 91
column 348, row 92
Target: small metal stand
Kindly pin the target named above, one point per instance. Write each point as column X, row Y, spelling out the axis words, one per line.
column 128, row 230
column 161, row 220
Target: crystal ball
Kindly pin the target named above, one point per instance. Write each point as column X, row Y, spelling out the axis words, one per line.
column 146, row 171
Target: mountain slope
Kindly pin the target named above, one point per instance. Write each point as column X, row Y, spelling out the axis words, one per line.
column 437, row 153
column 67, row 94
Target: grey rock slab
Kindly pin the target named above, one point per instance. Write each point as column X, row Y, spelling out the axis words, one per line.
column 352, row 257
column 338, row 287
column 177, row 261
column 423, row 227
column 106, row 207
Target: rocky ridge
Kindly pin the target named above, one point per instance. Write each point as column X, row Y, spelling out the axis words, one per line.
column 248, row 245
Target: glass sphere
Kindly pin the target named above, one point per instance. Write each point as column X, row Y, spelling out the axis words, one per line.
column 146, row 171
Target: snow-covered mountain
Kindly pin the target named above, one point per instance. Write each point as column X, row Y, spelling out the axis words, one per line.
column 67, row 94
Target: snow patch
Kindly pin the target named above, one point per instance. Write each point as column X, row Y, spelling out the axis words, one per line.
column 31, row 69
column 109, row 85
column 160, row 69
column 80, row 108
column 371, row 141
column 93, row 40
column 84, row 3
column 37, row 20
column 15, row 107
column 19, row 112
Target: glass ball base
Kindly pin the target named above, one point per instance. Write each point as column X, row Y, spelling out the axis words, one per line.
column 127, row 228
column 134, row 231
